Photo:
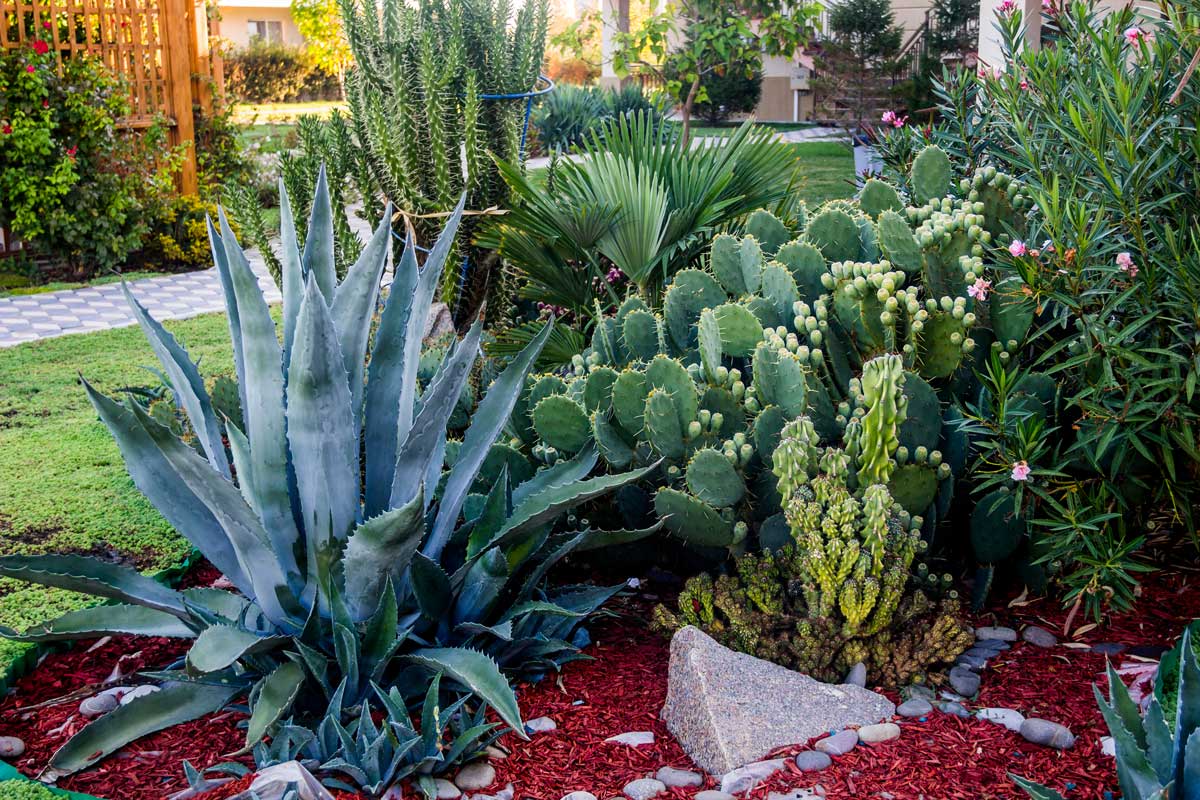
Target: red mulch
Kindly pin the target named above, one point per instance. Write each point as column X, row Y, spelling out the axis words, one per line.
column 622, row 690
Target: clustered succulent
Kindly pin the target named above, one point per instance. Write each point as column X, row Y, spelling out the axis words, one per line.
column 836, row 591
column 380, row 570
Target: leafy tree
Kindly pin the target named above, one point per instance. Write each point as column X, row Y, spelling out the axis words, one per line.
column 320, row 22
column 718, row 35
column 857, row 59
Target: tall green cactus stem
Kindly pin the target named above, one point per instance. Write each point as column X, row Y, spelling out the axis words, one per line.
column 883, row 393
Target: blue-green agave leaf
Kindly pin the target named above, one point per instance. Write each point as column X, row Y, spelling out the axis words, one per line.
column 109, row 620
column 431, row 585
column 1134, row 774
column 484, row 581
column 169, row 706
column 275, row 696
column 221, row 262
column 490, row 418
column 354, row 305
column 95, row 577
column 1035, row 790
column 291, row 271
column 380, row 550
column 186, row 382
column 560, row 473
column 318, row 245
column 221, row 646
column 479, row 674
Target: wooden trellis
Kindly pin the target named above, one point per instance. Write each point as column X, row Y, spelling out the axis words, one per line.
column 159, row 47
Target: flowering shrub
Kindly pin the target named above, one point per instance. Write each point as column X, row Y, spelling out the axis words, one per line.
column 1100, row 125
column 73, row 185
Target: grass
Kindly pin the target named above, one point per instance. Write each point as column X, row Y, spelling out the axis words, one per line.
column 63, row 486
column 826, row 171
column 252, row 114
column 12, row 284
column 269, row 137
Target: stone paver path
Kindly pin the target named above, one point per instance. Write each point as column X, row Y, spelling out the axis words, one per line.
column 25, row 318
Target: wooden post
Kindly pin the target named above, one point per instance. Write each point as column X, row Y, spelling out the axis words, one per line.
column 177, row 55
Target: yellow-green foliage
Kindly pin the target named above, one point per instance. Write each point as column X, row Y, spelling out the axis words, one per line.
column 24, row 790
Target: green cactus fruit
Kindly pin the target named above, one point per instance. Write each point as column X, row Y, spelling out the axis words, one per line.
column 713, row 479
column 691, row 519
column 740, row 329
column 691, row 291
column 876, row 197
column 640, row 334
column 914, row 487
column 629, row 401
column 708, row 337
column 770, row 233
column 663, row 428
column 597, row 389
column 227, row 400
column 932, row 176
column 768, row 426
column 922, row 427
column 996, row 529
column 807, row 265
column 835, row 233
column 562, row 423
column 668, row 375
column 779, row 379
column 544, row 386
column 941, row 347
column 610, row 443
column 719, row 400
column 737, row 263
column 1010, row 310
column 501, row 457
column 897, row 243
column 780, row 295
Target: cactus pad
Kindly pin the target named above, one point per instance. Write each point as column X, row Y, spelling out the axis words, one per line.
column 770, row 233
column 932, row 176
column 562, row 423
column 996, row 530
column 713, row 479
column 877, row 197
column 835, row 233
column 807, row 264
column 897, row 243
column 740, row 329
column 690, row 292
column 639, row 334
column 691, row 519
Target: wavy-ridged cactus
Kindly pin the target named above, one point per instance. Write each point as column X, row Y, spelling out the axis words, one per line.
column 836, row 594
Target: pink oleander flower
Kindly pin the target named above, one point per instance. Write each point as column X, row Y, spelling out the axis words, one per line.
column 1134, row 34
column 1024, row 85
column 979, row 289
column 1017, row 248
column 1020, row 471
column 1006, row 7
column 1125, row 263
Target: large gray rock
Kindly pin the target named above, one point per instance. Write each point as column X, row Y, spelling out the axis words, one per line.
column 728, row 709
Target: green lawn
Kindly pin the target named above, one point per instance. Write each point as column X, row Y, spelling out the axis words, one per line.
column 251, row 114
column 63, row 487
column 826, row 171
column 269, row 137
column 13, row 284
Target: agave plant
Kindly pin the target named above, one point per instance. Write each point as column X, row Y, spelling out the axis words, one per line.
column 362, row 567
column 1157, row 758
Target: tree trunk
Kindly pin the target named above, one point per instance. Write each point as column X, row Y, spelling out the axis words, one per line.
column 687, row 110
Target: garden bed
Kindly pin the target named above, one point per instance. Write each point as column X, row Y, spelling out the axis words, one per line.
column 622, row 689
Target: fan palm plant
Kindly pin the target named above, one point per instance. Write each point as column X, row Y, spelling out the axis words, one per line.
column 362, row 568
column 639, row 200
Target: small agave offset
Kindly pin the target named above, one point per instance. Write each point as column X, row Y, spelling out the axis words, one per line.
column 375, row 571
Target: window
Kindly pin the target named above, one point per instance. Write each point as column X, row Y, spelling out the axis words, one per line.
column 270, row 30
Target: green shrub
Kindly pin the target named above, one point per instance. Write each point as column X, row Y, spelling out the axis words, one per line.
column 267, row 72
column 1095, row 130
column 25, row 790
column 74, row 186
column 564, row 117
column 731, row 91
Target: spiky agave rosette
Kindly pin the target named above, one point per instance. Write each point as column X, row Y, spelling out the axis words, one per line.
column 372, row 572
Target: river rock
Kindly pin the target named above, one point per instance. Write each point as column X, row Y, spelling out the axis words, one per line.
column 916, row 707
column 540, row 725
column 839, row 743
column 964, row 682
column 98, row 704
column 952, row 708
column 1108, row 746
column 1109, row 648
column 579, row 796
column 644, row 789
column 1007, row 717
column 1039, row 637
column 679, row 778
column 917, row 690
column 632, row 739
column 475, row 776
column 812, row 760
column 11, row 747
column 1047, row 733
column 874, row 734
column 136, row 692
column 713, row 794
column 794, row 794
column 728, row 709
column 996, row 632
column 990, row 646
column 743, row 779
column 445, row 790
